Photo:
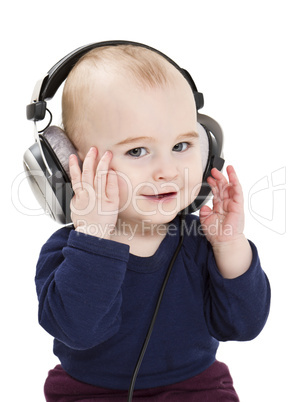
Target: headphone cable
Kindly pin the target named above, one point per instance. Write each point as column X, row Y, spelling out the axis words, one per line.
column 150, row 329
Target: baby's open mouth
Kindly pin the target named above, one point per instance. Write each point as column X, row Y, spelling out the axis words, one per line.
column 161, row 196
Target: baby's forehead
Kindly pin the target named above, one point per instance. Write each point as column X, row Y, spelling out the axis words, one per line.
column 131, row 63
column 105, row 75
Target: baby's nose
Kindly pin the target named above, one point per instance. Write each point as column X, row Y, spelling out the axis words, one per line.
column 165, row 170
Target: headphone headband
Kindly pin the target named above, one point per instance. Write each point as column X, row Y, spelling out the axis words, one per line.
column 48, row 86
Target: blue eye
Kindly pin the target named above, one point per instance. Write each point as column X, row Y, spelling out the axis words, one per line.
column 137, row 152
column 181, row 146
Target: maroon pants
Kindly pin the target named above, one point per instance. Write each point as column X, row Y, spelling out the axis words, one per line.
column 213, row 385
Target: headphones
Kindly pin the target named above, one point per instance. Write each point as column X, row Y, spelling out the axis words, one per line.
column 46, row 161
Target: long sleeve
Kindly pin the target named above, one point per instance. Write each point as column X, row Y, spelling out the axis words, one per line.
column 78, row 281
column 237, row 309
column 97, row 301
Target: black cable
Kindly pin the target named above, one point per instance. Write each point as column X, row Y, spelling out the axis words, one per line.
column 150, row 330
column 51, row 118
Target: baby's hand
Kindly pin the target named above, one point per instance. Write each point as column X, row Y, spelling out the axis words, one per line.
column 223, row 225
column 225, row 222
column 95, row 204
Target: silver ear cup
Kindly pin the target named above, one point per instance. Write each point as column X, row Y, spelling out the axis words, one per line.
column 36, row 178
column 52, row 191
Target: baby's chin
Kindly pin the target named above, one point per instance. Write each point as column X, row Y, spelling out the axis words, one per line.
column 146, row 222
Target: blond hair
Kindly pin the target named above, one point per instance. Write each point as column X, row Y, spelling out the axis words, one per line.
column 146, row 67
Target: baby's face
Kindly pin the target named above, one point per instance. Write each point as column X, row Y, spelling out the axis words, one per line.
column 152, row 134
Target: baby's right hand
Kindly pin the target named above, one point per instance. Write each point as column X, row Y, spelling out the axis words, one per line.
column 94, row 206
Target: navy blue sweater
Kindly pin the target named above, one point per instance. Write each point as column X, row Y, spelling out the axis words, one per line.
column 97, row 300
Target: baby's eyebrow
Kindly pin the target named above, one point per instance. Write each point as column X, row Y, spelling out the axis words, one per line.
column 131, row 140
column 188, row 136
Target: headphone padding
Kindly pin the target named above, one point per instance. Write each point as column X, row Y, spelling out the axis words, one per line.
column 61, row 146
column 204, row 145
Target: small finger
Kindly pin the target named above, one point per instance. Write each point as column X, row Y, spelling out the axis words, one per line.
column 75, row 173
column 89, row 166
column 232, row 175
column 218, row 176
column 211, row 181
column 112, row 188
column 219, row 184
column 104, row 162
column 217, row 187
column 236, row 186
column 101, row 172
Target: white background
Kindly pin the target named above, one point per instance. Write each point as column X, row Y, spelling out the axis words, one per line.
column 242, row 56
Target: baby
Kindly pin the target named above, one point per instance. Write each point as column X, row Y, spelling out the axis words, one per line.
column 132, row 118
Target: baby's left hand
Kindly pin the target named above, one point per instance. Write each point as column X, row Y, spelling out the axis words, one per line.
column 225, row 222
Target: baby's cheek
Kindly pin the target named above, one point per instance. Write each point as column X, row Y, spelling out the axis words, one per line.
column 195, row 184
column 125, row 190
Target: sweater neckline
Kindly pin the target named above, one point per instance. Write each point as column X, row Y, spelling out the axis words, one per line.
column 163, row 254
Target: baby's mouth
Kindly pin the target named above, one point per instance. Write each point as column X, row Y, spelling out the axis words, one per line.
column 161, row 196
